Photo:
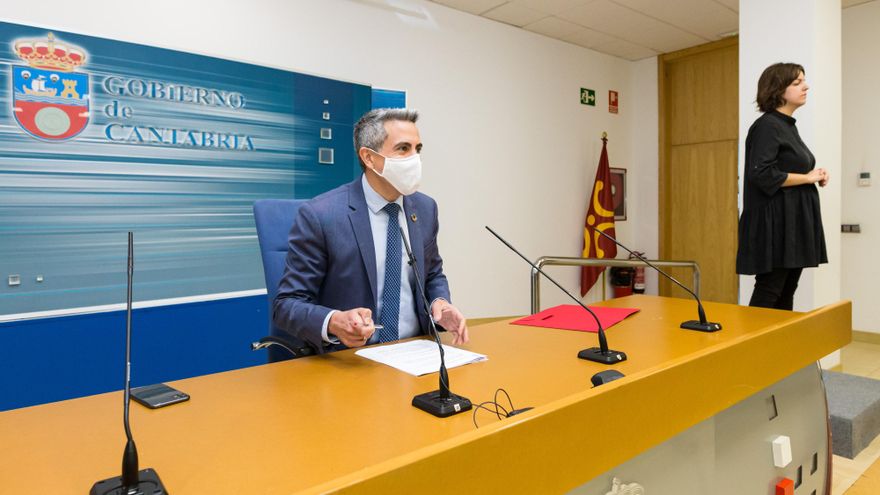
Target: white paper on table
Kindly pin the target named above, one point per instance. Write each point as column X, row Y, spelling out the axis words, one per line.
column 419, row 357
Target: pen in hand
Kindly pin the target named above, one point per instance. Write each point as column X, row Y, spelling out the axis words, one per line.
column 375, row 327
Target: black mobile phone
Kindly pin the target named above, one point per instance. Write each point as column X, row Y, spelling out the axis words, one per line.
column 158, row 395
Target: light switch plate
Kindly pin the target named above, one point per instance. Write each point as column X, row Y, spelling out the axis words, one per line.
column 781, row 451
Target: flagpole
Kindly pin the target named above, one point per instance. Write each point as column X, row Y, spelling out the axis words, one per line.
column 604, row 282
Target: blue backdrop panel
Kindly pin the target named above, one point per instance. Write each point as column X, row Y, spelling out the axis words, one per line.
column 99, row 137
column 389, row 98
column 53, row 359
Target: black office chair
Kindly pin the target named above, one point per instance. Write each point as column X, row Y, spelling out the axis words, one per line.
column 274, row 218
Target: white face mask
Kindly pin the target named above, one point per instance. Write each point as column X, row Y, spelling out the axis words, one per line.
column 405, row 174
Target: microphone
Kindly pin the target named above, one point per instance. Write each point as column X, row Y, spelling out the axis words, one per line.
column 441, row 403
column 131, row 481
column 601, row 354
column 701, row 325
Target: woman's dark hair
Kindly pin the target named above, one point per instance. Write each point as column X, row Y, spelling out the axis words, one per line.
column 772, row 84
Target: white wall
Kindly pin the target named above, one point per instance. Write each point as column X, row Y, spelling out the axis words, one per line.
column 644, row 197
column 861, row 153
column 507, row 143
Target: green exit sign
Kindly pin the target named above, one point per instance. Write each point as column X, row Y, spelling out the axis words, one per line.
column 588, row 97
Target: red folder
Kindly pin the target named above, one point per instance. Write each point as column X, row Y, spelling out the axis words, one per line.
column 573, row 317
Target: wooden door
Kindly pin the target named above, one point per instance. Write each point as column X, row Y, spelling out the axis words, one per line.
column 698, row 166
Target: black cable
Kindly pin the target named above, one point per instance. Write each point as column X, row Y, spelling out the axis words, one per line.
column 498, row 413
column 498, row 407
column 509, row 401
column 482, row 405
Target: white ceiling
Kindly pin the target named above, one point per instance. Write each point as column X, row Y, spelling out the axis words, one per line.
column 629, row 29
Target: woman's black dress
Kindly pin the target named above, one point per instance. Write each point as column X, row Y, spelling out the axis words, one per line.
column 780, row 227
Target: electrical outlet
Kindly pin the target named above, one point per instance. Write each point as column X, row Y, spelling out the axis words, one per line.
column 14, row 280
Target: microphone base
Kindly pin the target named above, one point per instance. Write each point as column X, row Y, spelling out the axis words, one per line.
column 701, row 327
column 595, row 354
column 431, row 402
column 148, row 484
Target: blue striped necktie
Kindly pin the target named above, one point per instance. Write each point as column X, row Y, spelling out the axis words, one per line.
column 391, row 289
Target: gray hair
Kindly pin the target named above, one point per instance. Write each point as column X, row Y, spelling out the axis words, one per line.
column 369, row 132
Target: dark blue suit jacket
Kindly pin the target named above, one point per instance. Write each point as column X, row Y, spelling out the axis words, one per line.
column 331, row 261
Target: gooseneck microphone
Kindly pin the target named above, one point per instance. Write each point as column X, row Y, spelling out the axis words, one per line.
column 131, row 481
column 441, row 403
column 601, row 354
column 701, row 325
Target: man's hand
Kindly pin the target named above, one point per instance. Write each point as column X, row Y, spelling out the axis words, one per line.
column 450, row 318
column 353, row 327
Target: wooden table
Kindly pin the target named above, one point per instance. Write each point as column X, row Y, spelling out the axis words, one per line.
column 341, row 422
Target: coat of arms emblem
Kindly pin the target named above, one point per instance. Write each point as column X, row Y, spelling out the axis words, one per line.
column 50, row 101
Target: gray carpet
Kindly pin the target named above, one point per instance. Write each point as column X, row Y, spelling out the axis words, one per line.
column 854, row 406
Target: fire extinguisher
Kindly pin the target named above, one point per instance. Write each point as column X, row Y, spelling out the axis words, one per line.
column 639, row 276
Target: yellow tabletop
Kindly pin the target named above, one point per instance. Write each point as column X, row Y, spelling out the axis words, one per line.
column 339, row 422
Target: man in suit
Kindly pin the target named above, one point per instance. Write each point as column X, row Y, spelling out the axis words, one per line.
column 346, row 261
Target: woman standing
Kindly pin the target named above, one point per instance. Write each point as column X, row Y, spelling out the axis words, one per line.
column 780, row 229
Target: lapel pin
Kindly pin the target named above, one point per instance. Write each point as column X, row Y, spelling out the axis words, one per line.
column 414, row 217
